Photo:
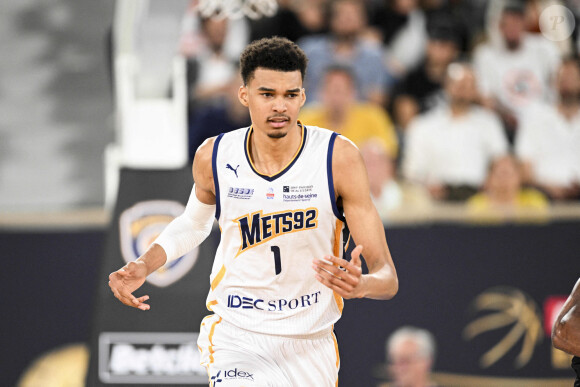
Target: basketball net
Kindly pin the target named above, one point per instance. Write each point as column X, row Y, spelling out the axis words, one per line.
column 236, row 9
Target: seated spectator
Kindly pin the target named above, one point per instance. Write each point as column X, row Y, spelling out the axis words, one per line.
column 503, row 196
column 293, row 20
column 389, row 195
column 344, row 44
column 193, row 40
column 468, row 19
column 548, row 141
column 422, row 88
column 225, row 116
column 449, row 148
column 516, row 71
column 410, row 357
column 211, row 64
column 401, row 26
column 339, row 111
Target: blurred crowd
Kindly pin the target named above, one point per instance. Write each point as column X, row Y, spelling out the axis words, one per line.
column 448, row 100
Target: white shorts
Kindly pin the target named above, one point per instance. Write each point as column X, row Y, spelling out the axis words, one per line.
column 236, row 357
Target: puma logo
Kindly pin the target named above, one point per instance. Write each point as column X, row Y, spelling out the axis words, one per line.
column 232, row 168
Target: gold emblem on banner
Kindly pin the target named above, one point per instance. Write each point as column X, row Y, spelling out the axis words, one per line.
column 514, row 311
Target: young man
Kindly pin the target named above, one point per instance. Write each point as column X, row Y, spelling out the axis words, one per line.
column 281, row 192
column 566, row 330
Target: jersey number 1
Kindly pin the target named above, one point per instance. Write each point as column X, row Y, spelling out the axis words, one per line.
column 277, row 261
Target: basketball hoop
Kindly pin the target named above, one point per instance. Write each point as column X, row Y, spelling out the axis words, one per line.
column 236, row 9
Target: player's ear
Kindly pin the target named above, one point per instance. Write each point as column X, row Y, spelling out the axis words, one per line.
column 243, row 95
column 302, row 97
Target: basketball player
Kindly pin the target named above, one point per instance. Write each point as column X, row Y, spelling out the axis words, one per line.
column 566, row 330
column 281, row 192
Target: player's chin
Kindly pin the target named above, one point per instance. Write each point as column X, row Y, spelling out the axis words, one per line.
column 277, row 133
column 278, row 129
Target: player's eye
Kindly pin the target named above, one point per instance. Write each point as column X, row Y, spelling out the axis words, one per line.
column 267, row 94
column 292, row 95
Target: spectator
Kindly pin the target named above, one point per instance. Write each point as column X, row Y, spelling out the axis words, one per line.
column 503, row 196
column 293, row 20
column 193, row 40
column 411, row 355
column 401, row 25
column 516, row 71
column 422, row 88
column 385, row 192
column 210, row 69
column 339, row 111
column 468, row 18
column 344, row 44
column 549, row 139
column 389, row 195
column 449, row 148
column 532, row 9
column 225, row 116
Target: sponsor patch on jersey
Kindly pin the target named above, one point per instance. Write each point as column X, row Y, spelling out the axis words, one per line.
column 298, row 188
column 140, row 224
column 270, row 193
column 298, row 193
column 240, row 193
column 231, row 374
column 279, row 305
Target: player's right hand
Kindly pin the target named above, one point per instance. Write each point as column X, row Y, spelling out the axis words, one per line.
column 126, row 280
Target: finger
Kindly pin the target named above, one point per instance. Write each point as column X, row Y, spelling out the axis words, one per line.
column 122, row 298
column 330, row 261
column 123, row 272
column 142, row 304
column 335, row 288
column 338, row 265
column 355, row 255
column 343, row 280
column 328, row 266
column 128, row 297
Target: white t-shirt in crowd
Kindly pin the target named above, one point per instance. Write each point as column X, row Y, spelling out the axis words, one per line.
column 442, row 149
column 551, row 144
column 517, row 78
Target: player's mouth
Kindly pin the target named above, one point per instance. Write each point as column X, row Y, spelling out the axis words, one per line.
column 278, row 122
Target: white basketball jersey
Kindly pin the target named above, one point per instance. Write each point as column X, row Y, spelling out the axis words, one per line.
column 271, row 229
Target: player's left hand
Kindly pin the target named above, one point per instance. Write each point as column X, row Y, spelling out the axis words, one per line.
column 340, row 275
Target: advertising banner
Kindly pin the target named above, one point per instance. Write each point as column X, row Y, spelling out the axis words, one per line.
column 159, row 346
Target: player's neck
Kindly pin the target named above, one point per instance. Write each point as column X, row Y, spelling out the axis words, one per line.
column 271, row 155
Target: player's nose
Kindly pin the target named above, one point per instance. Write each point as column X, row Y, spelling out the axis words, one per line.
column 279, row 106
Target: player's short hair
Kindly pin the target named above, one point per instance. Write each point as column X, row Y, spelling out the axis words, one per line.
column 274, row 53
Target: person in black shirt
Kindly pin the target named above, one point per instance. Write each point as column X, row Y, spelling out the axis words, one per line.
column 566, row 330
column 422, row 88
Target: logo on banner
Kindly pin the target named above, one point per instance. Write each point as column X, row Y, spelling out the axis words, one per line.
column 513, row 312
column 150, row 357
column 140, row 224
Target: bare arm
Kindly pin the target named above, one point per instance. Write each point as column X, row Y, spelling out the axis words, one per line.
column 131, row 277
column 566, row 330
column 352, row 186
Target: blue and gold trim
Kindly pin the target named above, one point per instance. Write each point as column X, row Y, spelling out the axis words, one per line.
column 287, row 167
column 332, row 195
column 216, row 182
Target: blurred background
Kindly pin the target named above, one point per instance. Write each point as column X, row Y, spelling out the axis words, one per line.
column 466, row 112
